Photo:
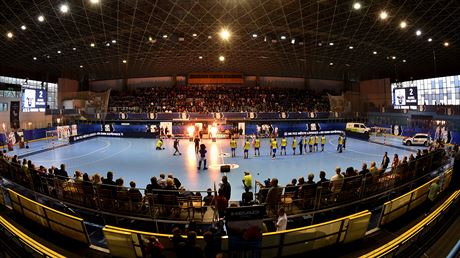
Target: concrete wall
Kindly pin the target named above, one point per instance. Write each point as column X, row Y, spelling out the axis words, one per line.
column 375, row 92
column 329, row 85
column 282, row 82
column 65, row 85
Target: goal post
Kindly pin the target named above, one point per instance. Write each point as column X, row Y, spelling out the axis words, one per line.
column 380, row 134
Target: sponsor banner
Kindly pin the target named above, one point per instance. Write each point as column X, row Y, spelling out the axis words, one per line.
column 82, row 137
column 14, row 114
column 244, row 227
column 313, row 133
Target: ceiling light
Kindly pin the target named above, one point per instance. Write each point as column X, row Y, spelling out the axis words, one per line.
column 41, row 18
column 430, row 39
column 64, row 8
column 81, row 66
column 221, row 58
column 59, row 51
column 107, row 44
column 404, row 60
column 418, row 32
column 320, row 44
column 23, row 27
column 9, row 34
column 209, row 37
column 331, row 63
column 124, row 61
column 94, row 1
column 48, row 56
column 254, row 35
column 403, row 24
column 357, row 6
column 200, row 57
column 331, row 43
column 114, row 41
column 383, row 15
column 92, row 45
column 393, row 57
column 35, row 58
column 194, row 34
column 74, row 49
column 224, row 34
column 283, row 37
column 165, row 36
column 350, row 47
column 293, row 41
column 446, row 44
column 375, row 52
column 150, row 38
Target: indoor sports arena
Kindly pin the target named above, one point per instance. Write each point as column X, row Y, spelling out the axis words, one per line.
column 229, row 128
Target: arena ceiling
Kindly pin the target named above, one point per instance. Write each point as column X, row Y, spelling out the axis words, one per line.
column 317, row 39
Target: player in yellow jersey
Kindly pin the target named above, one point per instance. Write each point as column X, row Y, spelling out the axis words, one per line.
column 294, row 145
column 283, row 146
column 160, row 145
column 233, row 147
column 323, row 141
column 305, row 144
column 247, row 146
column 315, row 148
column 274, row 146
column 340, row 144
column 257, row 147
column 310, row 143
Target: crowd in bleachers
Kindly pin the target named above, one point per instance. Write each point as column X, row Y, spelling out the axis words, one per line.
column 218, row 99
column 166, row 196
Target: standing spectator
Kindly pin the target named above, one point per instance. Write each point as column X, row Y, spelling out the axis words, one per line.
column 221, row 203
column 247, row 197
column 208, row 198
column 226, row 187
column 385, row 161
column 281, row 223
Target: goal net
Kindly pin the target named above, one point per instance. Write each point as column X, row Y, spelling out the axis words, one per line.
column 380, row 134
column 58, row 137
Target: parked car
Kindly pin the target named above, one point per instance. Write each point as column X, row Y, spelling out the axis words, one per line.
column 418, row 139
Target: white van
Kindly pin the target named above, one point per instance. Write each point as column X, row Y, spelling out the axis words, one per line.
column 357, row 128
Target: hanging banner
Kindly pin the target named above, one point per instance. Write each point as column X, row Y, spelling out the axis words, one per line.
column 14, row 114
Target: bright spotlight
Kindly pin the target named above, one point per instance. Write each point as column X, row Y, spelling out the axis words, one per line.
column 404, row 60
column 114, row 41
column 213, row 133
column 41, row 18
column 331, row 43
column 9, row 34
column 393, row 57
column 165, row 36
column 446, row 44
column 331, row 64
column 124, row 61
column 224, row 34
column 23, row 27
column 200, row 57
column 35, row 58
column 81, row 66
column 194, row 35
column 221, row 58
column 92, row 45
column 403, row 24
column 254, row 35
column 283, row 37
column 350, row 47
column 418, row 32
column 430, row 39
column 357, row 6
column 59, row 51
column 375, row 52
column 94, row 1
column 191, row 131
column 383, row 15
column 293, row 41
column 64, row 8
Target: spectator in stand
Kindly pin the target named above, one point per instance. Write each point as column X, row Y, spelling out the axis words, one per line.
column 170, row 184
column 322, row 178
column 177, row 182
column 364, row 171
column 226, row 187
column 162, row 181
column 395, row 162
column 273, row 195
column 152, row 186
column 350, row 172
column 97, row 179
column 292, row 187
column 247, row 197
column 385, row 161
column 119, row 183
column 212, row 248
column 411, row 157
column 221, row 203
column 310, row 181
column 404, row 161
column 281, row 222
column 192, row 250
column 373, row 169
column 134, row 193
column 301, row 181
column 418, row 154
column 109, row 180
column 207, row 200
column 337, row 181
column 78, row 176
column 61, row 173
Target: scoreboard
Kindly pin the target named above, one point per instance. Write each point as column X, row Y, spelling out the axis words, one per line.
column 33, row 100
column 405, row 98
